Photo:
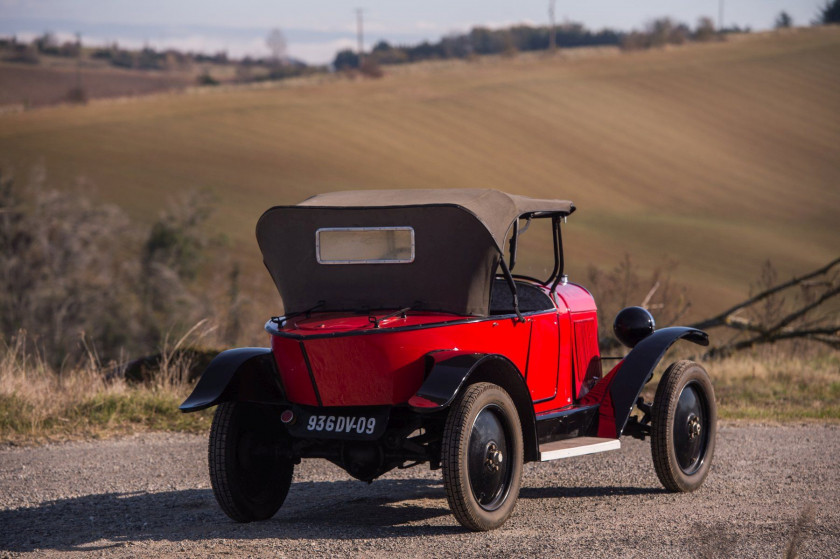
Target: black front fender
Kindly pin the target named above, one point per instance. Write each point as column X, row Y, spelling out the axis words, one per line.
column 244, row 374
column 637, row 368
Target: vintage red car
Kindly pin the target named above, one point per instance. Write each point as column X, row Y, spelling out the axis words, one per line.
column 406, row 340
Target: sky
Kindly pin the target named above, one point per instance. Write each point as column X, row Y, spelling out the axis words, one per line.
column 316, row 29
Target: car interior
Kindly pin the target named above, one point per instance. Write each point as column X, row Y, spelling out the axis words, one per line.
column 531, row 298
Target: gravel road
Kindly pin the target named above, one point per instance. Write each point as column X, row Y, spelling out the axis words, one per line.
column 149, row 495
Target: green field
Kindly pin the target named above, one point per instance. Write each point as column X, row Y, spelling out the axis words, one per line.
column 719, row 156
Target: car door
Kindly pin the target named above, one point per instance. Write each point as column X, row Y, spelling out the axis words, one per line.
column 543, row 362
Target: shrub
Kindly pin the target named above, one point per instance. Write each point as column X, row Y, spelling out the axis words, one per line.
column 82, row 278
column 345, row 60
column 370, row 68
column 206, row 79
column 77, row 95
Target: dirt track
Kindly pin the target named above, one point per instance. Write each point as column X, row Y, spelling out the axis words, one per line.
column 149, row 496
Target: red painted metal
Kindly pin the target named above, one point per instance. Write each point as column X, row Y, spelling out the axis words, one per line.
column 600, row 394
column 543, row 358
column 368, row 366
column 583, row 336
column 293, row 371
column 587, row 358
column 346, row 360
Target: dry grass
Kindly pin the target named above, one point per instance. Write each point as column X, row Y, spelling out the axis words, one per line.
column 39, row 404
column 778, row 387
column 774, row 384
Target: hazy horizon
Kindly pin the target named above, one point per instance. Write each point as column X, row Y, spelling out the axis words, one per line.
column 316, row 31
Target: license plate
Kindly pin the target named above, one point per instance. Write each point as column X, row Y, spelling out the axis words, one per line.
column 366, row 423
column 339, row 424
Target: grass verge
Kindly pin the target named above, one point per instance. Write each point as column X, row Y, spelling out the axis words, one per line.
column 772, row 385
column 38, row 405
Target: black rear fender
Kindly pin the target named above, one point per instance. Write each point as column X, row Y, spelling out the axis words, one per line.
column 449, row 372
column 246, row 374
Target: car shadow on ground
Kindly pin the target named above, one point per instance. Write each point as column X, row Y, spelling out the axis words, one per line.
column 313, row 510
column 331, row 510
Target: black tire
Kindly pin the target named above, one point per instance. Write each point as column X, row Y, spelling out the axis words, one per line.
column 482, row 457
column 683, row 427
column 249, row 480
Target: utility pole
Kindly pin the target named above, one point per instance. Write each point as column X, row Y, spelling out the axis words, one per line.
column 360, row 34
column 720, row 16
column 552, row 40
column 79, row 62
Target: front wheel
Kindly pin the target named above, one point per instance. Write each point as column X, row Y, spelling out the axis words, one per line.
column 684, row 427
column 250, row 480
column 482, row 457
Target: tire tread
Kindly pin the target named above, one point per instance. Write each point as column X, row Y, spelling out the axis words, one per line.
column 457, row 426
column 218, row 461
column 221, row 460
column 663, row 411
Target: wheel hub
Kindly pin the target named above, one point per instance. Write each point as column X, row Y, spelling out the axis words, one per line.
column 494, row 458
column 694, row 427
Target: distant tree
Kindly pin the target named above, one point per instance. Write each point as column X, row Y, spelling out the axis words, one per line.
column 276, row 43
column 705, row 30
column 47, row 43
column 346, row 59
column 384, row 53
column 829, row 13
column 149, row 59
column 783, row 21
column 122, row 59
column 456, row 45
column 509, row 44
column 486, row 41
column 661, row 31
column 635, row 41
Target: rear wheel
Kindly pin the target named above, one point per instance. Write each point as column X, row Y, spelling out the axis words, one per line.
column 684, row 426
column 250, row 480
column 482, row 457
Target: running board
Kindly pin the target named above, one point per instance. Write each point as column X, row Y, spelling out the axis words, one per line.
column 576, row 447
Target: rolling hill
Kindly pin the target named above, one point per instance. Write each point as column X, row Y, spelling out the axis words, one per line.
column 719, row 156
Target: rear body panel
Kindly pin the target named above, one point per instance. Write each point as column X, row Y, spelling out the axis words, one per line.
column 343, row 359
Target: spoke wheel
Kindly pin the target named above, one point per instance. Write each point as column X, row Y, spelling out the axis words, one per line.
column 684, row 427
column 250, row 480
column 482, row 457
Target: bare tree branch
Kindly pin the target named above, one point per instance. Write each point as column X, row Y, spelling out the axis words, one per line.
column 722, row 318
column 794, row 325
column 801, row 312
column 829, row 336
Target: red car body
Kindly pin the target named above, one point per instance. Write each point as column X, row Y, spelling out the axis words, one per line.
column 555, row 350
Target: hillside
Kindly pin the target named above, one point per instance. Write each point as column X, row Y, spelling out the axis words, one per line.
column 719, row 156
column 32, row 86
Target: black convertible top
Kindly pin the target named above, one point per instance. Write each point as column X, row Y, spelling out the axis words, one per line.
column 458, row 235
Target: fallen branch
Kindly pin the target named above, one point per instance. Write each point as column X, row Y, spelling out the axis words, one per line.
column 785, row 328
column 720, row 320
column 829, row 336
